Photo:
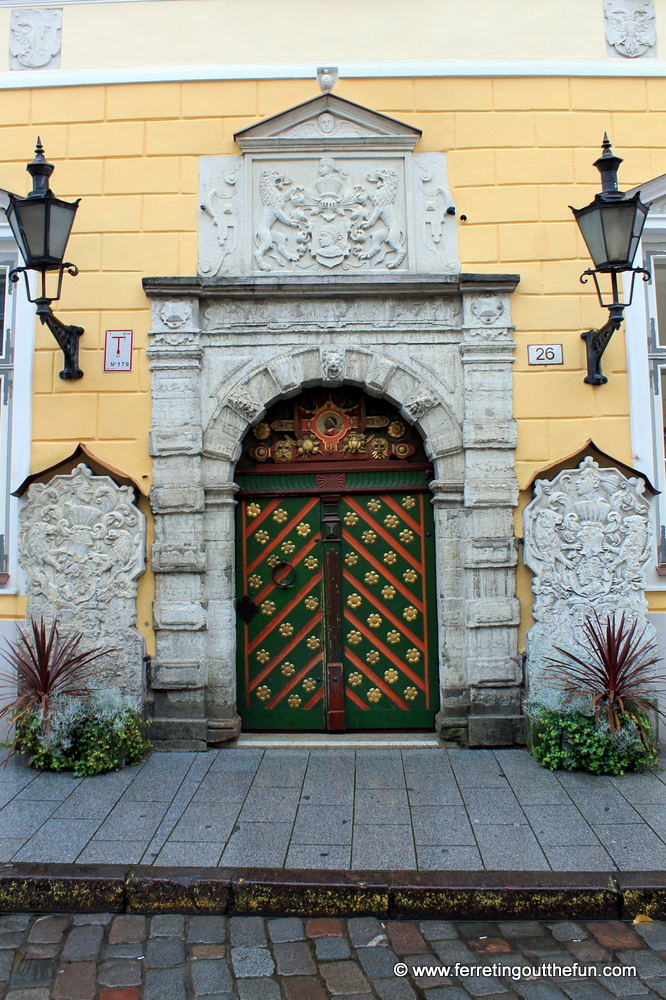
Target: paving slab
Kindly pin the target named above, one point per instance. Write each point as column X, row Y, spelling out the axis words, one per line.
column 338, row 807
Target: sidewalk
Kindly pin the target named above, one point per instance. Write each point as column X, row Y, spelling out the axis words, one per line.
column 364, row 809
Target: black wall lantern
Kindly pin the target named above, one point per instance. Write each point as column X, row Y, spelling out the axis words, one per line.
column 611, row 227
column 41, row 224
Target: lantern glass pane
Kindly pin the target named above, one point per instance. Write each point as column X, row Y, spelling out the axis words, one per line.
column 591, row 227
column 61, row 221
column 16, row 230
column 32, row 219
column 618, row 222
column 639, row 221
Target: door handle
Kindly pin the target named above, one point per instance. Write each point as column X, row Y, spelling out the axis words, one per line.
column 288, row 580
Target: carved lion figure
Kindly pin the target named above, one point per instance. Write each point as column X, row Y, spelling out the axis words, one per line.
column 393, row 235
column 271, row 187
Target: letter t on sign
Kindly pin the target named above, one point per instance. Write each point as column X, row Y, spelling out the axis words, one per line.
column 118, row 350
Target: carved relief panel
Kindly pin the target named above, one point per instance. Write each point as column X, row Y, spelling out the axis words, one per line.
column 35, row 37
column 82, row 549
column 587, row 540
column 630, row 28
column 327, row 188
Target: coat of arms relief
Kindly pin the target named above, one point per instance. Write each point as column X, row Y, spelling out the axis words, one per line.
column 328, row 187
column 587, row 539
column 336, row 221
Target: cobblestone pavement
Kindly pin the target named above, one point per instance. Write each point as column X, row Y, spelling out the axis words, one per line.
column 385, row 809
column 170, row 957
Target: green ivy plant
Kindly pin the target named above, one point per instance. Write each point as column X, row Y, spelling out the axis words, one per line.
column 89, row 736
column 577, row 740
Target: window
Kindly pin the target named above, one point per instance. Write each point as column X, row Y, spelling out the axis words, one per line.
column 17, row 326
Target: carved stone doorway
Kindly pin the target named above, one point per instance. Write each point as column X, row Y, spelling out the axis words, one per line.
column 335, row 570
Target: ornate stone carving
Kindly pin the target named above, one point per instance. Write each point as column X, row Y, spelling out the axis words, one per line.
column 327, row 124
column 35, row 37
column 327, row 77
column 587, row 540
column 630, row 29
column 221, row 206
column 175, row 313
column 435, row 224
column 332, row 366
column 82, row 548
column 174, row 339
column 331, row 217
column 244, row 402
column 432, row 314
column 419, row 405
column 335, row 189
column 488, row 309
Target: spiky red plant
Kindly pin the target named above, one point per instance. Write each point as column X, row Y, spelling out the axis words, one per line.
column 619, row 676
column 45, row 667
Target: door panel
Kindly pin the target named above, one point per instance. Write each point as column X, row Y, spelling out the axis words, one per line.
column 388, row 628
column 379, row 566
column 281, row 649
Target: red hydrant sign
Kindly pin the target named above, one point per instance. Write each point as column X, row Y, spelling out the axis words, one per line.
column 118, row 350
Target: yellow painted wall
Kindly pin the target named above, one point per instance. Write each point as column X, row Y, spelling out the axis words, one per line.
column 519, row 152
column 210, row 32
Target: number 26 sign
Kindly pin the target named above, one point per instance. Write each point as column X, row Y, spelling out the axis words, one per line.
column 544, row 354
column 118, row 350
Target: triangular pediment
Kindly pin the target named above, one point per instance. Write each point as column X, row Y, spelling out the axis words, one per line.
column 327, row 123
column 653, row 193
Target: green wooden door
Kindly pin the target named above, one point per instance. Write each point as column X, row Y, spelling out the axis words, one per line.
column 381, row 597
column 389, row 629
column 281, row 648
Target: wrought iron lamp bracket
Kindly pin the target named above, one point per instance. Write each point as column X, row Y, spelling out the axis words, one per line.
column 596, row 341
column 67, row 337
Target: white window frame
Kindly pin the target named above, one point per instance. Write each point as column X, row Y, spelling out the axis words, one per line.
column 643, row 364
column 16, row 417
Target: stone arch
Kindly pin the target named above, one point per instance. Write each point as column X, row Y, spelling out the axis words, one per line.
column 421, row 402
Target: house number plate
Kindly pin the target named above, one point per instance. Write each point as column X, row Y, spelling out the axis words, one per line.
column 544, row 354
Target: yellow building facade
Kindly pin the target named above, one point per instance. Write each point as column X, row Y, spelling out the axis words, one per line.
column 144, row 90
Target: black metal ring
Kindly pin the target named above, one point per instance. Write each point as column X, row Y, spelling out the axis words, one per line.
column 286, row 582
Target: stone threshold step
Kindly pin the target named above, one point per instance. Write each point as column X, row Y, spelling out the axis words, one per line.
column 286, row 741
column 412, row 895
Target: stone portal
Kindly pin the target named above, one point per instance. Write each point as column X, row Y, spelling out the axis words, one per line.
column 328, row 258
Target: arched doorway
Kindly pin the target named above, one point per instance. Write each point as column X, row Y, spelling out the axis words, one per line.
column 335, row 568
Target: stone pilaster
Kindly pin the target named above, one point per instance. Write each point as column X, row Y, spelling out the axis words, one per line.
column 179, row 671
column 492, row 613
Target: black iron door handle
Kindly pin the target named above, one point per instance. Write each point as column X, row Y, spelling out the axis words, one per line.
column 287, row 581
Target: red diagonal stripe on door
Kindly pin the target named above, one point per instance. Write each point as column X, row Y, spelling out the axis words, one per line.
column 317, row 696
column 293, row 681
column 286, row 650
column 384, row 610
column 384, row 572
column 282, row 534
column 423, row 586
column 355, row 698
column 382, row 685
column 389, row 654
column 281, row 615
column 401, row 512
column 253, row 523
column 294, row 561
column 393, row 542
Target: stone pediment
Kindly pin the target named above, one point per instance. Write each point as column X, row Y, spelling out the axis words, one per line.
column 323, row 189
column 326, row 124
